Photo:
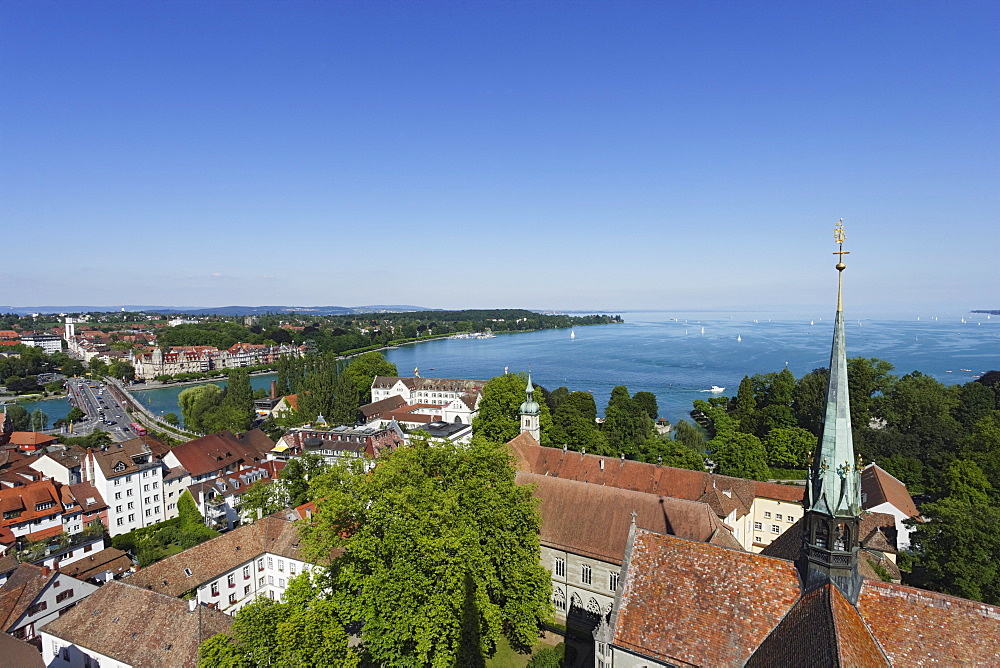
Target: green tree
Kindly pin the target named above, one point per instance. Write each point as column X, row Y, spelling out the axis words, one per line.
column 98, row 368
column 555, row 398
column 647, row 402
column 627, row 426
column 262, row 499
column 171, row 418
column 122, row 370
column 744, row 407
column 739, row 455
column 361, row 371
column 238, row 401
column 667, row 452
column 441, row 553
column 19, row 417
column 39, row 420
column 296, row 479
column 220, row 651
column 690, row 436
column 197, row 403
column 964, row 481
column 809, row 399
column 499, row 416
column 574, row 424
column 75, row 414
column 790, row 447
column 955, row 550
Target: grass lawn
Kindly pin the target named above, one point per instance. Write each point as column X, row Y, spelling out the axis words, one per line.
column 506, row 657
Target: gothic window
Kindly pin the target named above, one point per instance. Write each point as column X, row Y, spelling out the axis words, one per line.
column 560, row 568
column 559, row 599
column 586, row 575
column 613, row 581
column 576, row 602
column 843, row 538
column 593, row 607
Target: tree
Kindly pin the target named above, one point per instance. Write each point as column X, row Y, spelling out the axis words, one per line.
column 361, row 371
column 39, row 420
column 441, row 553
column 98, row 368
column 238, row 400
column 19, row 417
column 574, row 424
column 809, row 399
column 555, row 398
column 744, row 406
column 790, row 447
column 626, row 425
column 667, row 452
column 296, row 479
column 171, row 418
column 499, row 416
column 739, row 455
column 122, row 370
column 308, row 629
column 75, row 414
column 262, row 499
column 647, row 402
column 197, row 403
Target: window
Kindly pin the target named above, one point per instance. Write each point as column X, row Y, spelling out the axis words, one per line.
column 775, row 528
column 131, row 517
column 118, row 496
column 758, row 526
column 118, row 509
column 156, row 510
column 586, row 575
column 560, row 567
column 148, row 512
column 767, row 516
column 789, row 518
column 246, row 572
column 291, row 568
column 777, row 516
column 187, row 572
column 231, row 580
column 121, row 521
column 88, row 548
column 64, row 595
column 281, row 565
column 246, row 590
column 145, row 488
column 756, row 539
column 270, row 579
column 613, row 581
column 37, row 607
column 128, row 492
column 261, row 581
column 156, row 497
column 232, row 599
column 260, row 564
column 270, row 562
column 281, row 582
column 118, row 481
column 58, row 583
column 215, row 589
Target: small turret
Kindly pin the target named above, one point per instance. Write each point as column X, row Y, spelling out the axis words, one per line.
column 530, row 412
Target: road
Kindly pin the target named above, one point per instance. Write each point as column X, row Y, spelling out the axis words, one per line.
column 101, row 408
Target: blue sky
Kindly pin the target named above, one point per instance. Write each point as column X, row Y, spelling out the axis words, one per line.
column 559, row 155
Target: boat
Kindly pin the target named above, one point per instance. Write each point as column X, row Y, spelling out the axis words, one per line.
column 572, row 334
column 702, row 330
column 739, row 337
column 715, row 389
column 812, row 322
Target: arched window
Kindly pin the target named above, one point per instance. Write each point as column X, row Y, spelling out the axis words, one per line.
column 593, row 607
column 843, row 537
column 458, row 419
column 559, row 599
column 576, row 602
column 822, row 536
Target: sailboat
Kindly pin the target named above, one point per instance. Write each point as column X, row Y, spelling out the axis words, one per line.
column 572, row 334
column 702, row 330
column 739, row 338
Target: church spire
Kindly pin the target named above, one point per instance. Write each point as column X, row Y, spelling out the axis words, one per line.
column 530, row 412
column 833, row 491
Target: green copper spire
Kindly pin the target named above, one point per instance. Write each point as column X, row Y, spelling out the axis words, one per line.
column 835, row 482
column 530, row 406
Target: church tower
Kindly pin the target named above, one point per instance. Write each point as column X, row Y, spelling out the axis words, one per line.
column 530, row 414
column 833, row 488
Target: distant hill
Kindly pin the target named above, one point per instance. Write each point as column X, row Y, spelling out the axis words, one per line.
column 217, row 310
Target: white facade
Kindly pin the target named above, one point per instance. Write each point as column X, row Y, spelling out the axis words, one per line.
column 50, row 468
column 580, row 584
column 58, row 653
column 49, row 343
column 135, row 499
column 61, row 592
column 266, row 575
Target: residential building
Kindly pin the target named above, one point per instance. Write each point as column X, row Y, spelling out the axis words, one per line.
column 19, row 653
column 342, row 443
column 129, row 478
column 100, row 567
column 456, row 400
column 228, row 572
column 49, row 343
column 63, row 465
column 454, row 432
column 218, row 454
column 198, row 359
column 884, row 493
column 31, row 512
column 218, row 499
column 120, row 626
column 33, row 596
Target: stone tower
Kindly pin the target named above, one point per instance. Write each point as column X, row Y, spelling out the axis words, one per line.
column 530, row 414
column 831, row 521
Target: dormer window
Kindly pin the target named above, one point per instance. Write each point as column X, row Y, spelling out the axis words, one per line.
column 118, row 467
column 44, row 506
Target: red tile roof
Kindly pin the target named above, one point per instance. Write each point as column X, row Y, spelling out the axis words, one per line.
column 917, row 627
column 878, row 487
column 685, row 602
column 25, row 500
column 33, row 439
column 602, row 531
column 216, row 452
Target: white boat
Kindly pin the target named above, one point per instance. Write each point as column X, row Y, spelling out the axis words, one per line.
column 572, row 334
column 702, row 330
column 715, row 389
column 739, row 337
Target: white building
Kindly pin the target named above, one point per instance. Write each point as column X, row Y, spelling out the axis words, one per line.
column 456, row 400
column 228, row 572
column 884, row 493
column 130, row 479
column 49, row 343
column 33, row 596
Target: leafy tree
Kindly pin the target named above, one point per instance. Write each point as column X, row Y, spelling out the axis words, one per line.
column 95, row 439
column 790, row 447
column 197, row 403
column 361, row 371
column 39, row 420
column 19, row 417
column 121, row 369
column 262, row 499
column 296, row 479
column 441, row 553
column 690, row 436
column 238, row 400
column 739, row 455
column 627, row 426
column 98, row 368
column 574, row 424
column 75, row 414
column 555, row 398
column 499, row 416
column 975, row 402
column 955, row 550
column 171, row 418
column 220, row 651
column 647, row 402
column 667, row 452
column 964, row 481
column 809, row 399
column 982, row 446
column 744, row 406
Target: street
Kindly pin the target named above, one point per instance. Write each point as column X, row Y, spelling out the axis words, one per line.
column 101, row 408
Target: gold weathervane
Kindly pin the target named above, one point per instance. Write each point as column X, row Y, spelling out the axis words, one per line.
column 839, row 237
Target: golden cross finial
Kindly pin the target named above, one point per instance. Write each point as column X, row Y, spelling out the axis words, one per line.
column 839, row 238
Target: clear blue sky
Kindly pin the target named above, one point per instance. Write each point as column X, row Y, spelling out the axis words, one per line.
column 608, row 155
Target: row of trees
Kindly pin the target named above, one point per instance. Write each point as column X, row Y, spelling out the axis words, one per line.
column 210, row 408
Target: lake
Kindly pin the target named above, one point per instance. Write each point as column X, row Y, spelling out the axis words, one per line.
column 677, row 355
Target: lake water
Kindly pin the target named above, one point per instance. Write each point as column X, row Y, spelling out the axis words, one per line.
column 666, row 353
column 54, row 408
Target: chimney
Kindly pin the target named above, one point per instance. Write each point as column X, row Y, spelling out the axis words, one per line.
column 623, row 456
column 602, row 463
column 46, row 570
column 274, row 389
column 192, row 604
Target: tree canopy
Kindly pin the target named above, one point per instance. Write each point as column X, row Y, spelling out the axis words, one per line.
column 499, row 416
